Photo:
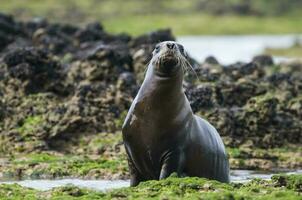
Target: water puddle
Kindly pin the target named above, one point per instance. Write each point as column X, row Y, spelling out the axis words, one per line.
column 103, row 185
column 247, row 175
column 230, row 49
column 100, row 185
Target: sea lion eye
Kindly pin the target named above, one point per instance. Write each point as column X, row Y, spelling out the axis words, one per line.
column 181, row 49
column 157, row 48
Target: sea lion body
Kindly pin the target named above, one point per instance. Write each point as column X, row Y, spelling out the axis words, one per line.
column 162, row 135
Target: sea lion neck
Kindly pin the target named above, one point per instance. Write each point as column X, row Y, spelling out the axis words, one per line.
column 162, row 97
column 163, row 87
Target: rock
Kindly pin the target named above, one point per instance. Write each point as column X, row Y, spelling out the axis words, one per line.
column 238, row 93
column 211, row 60
column 127, row 83
column 141, row 58
column 92, row 32
column 2, row 108
column 240, row 70
column 33, row 69
column 95, row 32
column 55, row 37
column 200, row 97
column 101, row 63
column 9, row 30
column 152, row 38
column 290, row 182
column 263, row 60
column 33, row 25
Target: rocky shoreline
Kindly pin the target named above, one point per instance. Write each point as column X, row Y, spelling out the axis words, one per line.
column 65, row 90
column 102, row 156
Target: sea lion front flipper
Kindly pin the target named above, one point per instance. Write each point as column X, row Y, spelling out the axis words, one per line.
column 172, row 162
column 135, row 176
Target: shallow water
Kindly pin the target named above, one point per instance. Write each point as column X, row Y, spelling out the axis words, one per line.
column 103, row 185
column 230, row 49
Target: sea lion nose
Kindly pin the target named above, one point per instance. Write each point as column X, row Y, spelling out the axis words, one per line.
column 170, row 45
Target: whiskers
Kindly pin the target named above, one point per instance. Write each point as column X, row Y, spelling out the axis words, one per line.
column 186, row 66
column 146, row 68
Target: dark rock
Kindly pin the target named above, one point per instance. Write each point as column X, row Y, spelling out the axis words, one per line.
column 141, row 58
column 223, row 120
column 35, row 69
column 56, row 38
column 4, row 40
column 8, row 25
column 92, row 32
column 152, row 38
column 239, row 70
column 200, row 97
column 34, row 24
column 263, row 60
column 237, row 94
column 211, row 60
column 102, row 63
column 9, row 29
column 2, row 109
column 127, row 83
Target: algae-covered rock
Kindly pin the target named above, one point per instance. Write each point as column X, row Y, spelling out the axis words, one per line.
column 173, row 188
column 32, row 70
column 263, row 60
column 238, row 93
column 291, row 182
column 9, row 29
column 201, row 97
column 247, row 70
column 91, row 156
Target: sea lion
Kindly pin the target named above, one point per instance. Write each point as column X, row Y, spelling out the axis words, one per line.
column 161, row 134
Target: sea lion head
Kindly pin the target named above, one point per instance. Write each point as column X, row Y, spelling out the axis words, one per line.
column 169, row 58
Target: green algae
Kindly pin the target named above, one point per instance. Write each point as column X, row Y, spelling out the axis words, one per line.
column 104, row 157
column 294, row 51
column 289, row 157
column 17, row 192
column 280, row 187
column 35, row 158
column 51, row 166
column 93, row 156
column 30, row 124
column 119, row 122
column 293, row 182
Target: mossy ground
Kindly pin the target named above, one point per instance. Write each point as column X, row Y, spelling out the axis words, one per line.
column 29, row 125
column 265, row 159
column 295, row 52
column 280, row 187
column 103, row 156
column 50, row 166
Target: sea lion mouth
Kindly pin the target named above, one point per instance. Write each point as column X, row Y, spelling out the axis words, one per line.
column 168, row 60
